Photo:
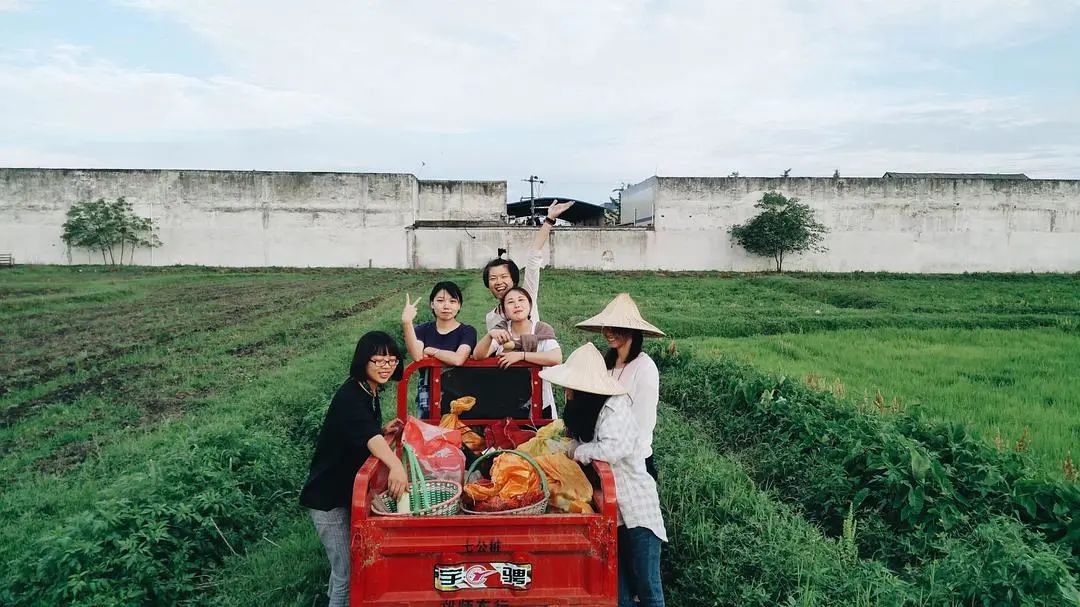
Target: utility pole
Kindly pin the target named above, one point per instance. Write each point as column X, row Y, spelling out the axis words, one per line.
column 533, row 180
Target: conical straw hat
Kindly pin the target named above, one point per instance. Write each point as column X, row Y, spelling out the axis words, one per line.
column 584, row 370
column 623, row 313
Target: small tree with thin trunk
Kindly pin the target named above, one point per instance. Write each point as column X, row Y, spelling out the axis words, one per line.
column 783, row 227
column 101, row 225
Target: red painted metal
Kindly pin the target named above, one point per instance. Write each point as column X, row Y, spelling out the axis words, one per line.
column 572, row 557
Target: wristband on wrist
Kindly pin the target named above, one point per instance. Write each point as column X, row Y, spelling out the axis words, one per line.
column 550, row 221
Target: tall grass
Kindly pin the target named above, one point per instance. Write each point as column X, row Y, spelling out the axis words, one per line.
column 1004, row 384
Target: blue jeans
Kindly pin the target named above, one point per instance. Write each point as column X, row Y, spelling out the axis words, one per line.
column 639, row 568
column 333, row 529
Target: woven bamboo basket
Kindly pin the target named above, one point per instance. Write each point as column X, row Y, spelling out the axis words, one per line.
column 426, row 497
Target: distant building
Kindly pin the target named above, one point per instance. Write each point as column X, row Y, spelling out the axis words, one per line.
column 581, row 214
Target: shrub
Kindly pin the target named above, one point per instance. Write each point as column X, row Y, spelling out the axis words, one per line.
column 783, row 227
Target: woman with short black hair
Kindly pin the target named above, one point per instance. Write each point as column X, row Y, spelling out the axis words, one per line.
column 445, row 339
column 351, row 432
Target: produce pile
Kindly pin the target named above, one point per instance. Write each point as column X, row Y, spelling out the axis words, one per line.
column 515, row 483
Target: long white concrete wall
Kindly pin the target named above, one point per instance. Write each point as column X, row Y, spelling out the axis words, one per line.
column 237, row 218
column 895, row 225
column 241, row 218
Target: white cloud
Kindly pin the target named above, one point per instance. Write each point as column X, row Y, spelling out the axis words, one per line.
column 70, row 95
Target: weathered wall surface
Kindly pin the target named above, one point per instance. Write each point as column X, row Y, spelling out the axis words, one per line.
column 461, row 200
column 898, row 225
column 240, row 218
column 579, row 248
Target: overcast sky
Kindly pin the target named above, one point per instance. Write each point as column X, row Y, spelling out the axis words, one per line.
column 585, row 94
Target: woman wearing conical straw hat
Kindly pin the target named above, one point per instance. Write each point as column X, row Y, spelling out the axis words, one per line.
column 599, row 420
column 624, row 329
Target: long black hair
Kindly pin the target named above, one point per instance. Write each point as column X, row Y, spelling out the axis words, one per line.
column 375, row 343
column 580, row 414
column 636, row 339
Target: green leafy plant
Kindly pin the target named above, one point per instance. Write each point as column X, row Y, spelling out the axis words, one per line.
column 783, row 227
column 102, row 225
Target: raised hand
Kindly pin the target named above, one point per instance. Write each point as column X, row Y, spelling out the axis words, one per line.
column 558, row 208
column 408, row 313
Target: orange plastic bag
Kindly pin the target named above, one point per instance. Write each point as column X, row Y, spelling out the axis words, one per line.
column 571, row 490
column 469, row 437
column 481, row 490
column 514, row 476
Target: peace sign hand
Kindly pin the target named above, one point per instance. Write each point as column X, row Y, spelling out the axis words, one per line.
column 408, row 313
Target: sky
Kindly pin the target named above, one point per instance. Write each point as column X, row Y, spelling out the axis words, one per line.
column 585, row 95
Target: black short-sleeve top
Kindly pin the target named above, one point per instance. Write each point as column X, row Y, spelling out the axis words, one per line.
column 354, row 418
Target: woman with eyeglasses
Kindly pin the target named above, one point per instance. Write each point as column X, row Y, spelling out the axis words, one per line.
column 352, row 431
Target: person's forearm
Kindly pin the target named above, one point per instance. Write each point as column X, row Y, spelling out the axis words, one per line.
column 606, row 449
column 378, row 447
column 483, row 348
column 412, row 345
column 541, row 237
column 454, row 359
column 544, row 359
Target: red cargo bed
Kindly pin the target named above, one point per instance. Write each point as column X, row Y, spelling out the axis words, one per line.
column 482, row 560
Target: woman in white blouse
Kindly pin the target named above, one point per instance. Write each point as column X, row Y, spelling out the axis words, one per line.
column 624, row 330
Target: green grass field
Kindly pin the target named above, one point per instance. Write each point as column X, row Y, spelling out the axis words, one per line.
column 1000, row 382
column 155, row 424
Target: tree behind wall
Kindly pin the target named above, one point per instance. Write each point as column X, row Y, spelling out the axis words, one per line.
column 783, row 227
column 100, row 226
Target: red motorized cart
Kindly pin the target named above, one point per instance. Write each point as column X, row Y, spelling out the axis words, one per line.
column 482, row 560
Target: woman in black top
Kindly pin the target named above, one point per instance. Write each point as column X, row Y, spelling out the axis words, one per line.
column 350, row 433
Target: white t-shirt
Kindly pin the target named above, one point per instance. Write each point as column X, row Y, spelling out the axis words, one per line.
column 544, row 345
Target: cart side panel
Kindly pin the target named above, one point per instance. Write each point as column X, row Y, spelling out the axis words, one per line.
column 571, row 558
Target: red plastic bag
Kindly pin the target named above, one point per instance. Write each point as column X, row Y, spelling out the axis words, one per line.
column 505, row 435
column 438, row 450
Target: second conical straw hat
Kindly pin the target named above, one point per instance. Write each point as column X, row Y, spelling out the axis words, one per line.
column 584, row 370
column 622, row 312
